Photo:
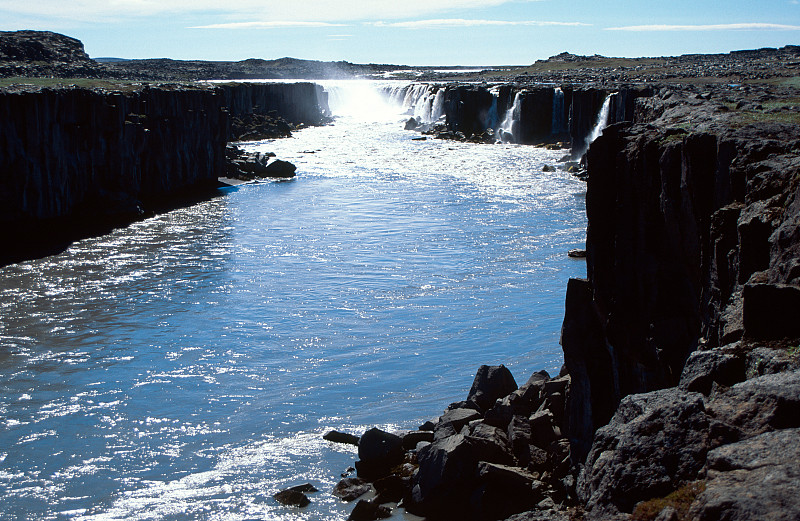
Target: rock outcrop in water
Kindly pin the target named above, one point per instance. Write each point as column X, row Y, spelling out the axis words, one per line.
column 78, row 161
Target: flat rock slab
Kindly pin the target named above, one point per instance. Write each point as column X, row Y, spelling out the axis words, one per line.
column 754, row 479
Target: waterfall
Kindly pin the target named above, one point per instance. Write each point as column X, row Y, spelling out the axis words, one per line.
column 424, row 102
column 438, row 105
column 509, row 128
column 601, row 123
column 558, row 125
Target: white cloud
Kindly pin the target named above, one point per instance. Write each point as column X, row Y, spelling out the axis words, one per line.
column 266, row 25
column 716, row 27
column 459, row 22
column 250, row 10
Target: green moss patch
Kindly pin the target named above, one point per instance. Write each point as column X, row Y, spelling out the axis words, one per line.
column 680, row 500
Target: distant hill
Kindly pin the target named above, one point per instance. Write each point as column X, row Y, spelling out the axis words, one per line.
column 45, row 54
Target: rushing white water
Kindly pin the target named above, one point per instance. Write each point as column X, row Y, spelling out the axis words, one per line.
column 186, row 367
column 601, row 123
column 509, row 127
column 422, row 101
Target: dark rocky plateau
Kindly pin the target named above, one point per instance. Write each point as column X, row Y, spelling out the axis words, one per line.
column 680, row 391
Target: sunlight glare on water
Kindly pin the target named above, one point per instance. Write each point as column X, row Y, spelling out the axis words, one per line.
column 186, row 367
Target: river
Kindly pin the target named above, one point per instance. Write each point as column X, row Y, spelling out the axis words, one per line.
column 186, row 367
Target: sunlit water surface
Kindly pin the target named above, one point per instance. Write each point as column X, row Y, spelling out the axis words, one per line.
column 186, row 367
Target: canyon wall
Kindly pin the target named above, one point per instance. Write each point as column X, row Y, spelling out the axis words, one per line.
column 692, row 243
column 76, row 161
column 297, row 103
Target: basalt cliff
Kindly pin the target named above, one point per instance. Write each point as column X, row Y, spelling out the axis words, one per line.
column 78, row 161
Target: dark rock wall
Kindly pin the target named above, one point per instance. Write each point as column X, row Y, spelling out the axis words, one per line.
column 73, row 160
column 681, row 226
column 467, row 109
column 536, row 115
column 295, row 102
column 62, row 149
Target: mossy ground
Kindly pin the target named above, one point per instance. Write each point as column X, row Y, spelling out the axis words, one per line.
column 680, row 500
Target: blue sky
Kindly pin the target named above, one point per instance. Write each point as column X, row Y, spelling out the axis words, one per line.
column 416, row 32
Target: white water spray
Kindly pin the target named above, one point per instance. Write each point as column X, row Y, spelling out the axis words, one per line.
column 509, row 128
column 601, row 123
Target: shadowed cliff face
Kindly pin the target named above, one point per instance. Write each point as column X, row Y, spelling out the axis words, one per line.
column 692, row 240
column 77, row 161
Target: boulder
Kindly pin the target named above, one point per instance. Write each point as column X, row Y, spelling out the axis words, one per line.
column 457, row 418
column 543, row 429
column 540, row 515
column 538, row 459
column 760, row 404
column 341, row 437
column 413, row 438
column 411, row 124
column 368, row 511
column 378, row 452
column 703, row 368
column 504, row 491
column 754, row 479
column 519, row 435
column 292, row 498
column 764, row 360
column 279, row 168
column 491, row 383
column 490, row 443
column 391, row 489
column 445, row 478
column 653, row 443
column 305, row 487
column 349, row 489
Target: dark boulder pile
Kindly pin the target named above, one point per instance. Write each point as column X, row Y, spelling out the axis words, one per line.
column 248, row 166
column 499, row 452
